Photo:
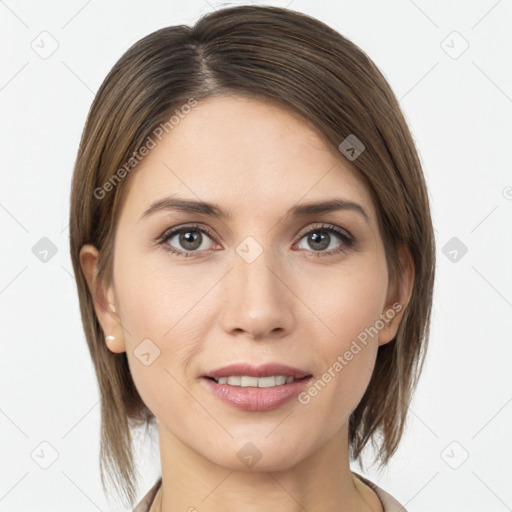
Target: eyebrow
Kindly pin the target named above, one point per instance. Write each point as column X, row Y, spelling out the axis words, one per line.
column 213, row 210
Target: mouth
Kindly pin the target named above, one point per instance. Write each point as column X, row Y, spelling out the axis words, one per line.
column 263, row 376
column 248, row 381
column 252, row 388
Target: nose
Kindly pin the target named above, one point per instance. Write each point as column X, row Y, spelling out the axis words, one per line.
column 258, row 301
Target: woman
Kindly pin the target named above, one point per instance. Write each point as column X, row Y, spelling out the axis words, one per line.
column 252, row 242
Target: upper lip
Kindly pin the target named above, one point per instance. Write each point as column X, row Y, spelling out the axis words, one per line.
column 265, row 370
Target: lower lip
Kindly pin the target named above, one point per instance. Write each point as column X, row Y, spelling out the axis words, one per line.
column 256, row 399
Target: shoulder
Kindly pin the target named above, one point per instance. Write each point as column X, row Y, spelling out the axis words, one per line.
column 145, row 503
column 389, row 503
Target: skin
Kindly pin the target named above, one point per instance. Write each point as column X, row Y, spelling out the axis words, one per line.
column 256, row 160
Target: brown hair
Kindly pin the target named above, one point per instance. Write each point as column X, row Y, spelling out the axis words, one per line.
column 305, row 65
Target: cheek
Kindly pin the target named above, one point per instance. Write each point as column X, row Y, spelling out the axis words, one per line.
column 350, row 307
column 160, row 312
column 352, row 300
column 155, row 296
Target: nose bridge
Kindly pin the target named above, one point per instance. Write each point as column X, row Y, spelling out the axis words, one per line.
column 258, row 301
column 253, row 264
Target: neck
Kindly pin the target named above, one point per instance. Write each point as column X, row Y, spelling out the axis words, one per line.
column 321, row 482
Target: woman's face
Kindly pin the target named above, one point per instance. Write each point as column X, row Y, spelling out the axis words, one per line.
column 251, row 281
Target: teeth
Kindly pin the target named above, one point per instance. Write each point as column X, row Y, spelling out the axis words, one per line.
column 255, row 382
column 245, row 381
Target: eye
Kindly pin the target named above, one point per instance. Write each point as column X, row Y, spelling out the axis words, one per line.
column 189, row 239
column 192, row 240
column 321, row 237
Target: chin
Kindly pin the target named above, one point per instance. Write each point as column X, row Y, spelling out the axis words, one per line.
column 253, row 456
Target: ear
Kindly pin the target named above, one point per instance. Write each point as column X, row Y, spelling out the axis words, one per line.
column 103, row 297
column 398, row 297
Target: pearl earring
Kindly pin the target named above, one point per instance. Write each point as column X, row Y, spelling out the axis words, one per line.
column 109, row 338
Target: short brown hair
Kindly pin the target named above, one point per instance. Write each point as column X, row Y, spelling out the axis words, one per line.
column 298, row 61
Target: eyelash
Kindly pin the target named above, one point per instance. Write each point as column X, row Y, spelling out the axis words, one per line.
column 347, row 239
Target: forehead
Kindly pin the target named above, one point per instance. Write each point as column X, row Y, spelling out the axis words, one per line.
column 247, row 154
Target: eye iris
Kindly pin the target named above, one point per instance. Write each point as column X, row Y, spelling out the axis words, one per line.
column 190, row 237
column 319, row 242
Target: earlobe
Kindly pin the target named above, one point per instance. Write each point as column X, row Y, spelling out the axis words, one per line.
column 399, row 298
column 103, row 299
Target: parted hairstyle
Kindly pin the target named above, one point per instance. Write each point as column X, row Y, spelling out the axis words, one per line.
column 274, row 54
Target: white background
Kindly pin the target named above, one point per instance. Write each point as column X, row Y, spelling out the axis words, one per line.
column 460, row 112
